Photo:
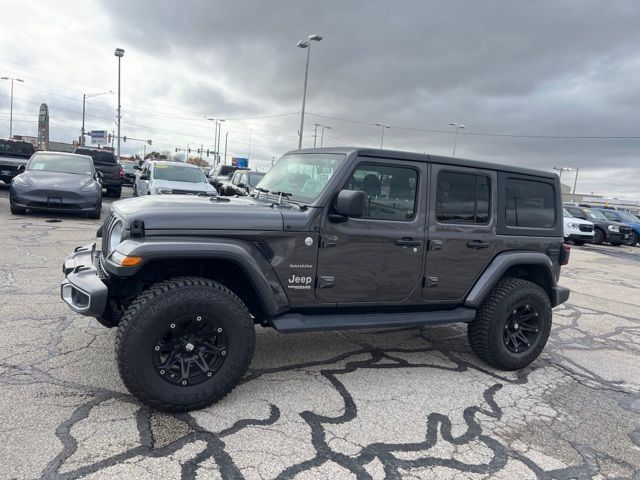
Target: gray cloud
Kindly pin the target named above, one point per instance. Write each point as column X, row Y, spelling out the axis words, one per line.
column 543, row 68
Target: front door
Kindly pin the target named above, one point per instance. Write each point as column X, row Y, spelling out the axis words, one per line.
column 378, row 257
column 462, row 231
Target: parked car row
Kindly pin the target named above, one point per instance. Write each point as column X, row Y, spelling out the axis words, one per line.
column 600, row 225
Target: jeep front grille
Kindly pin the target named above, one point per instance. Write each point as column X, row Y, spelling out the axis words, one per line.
column 106, row 231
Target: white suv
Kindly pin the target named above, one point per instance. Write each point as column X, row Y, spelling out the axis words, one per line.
column 160, row 177
column 577, row 230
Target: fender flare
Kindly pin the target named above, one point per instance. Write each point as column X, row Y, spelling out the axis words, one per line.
column 244, row 254
column 498, row 266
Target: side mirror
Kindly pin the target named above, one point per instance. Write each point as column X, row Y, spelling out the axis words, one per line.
column 137, row 167
column 21, row 168
column 242, row 185
column 144, row 177
column 99, row 176
column 350, row 203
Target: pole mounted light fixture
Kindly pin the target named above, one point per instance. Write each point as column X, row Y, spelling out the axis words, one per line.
column 382, row 127
column 562, row 169
column 11, row 111
column 119, row 53
column 216, row 135
column 84, row 98
column 459, row 126
column 305, row 44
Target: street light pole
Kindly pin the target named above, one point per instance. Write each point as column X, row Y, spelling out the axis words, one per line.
column 575, row 183
column 315, row 134
column 226, row 139
column 11, row 109
column 84, row 99
column 119, row 53
column 455, row 136
column 305, row 44
column 382, row 127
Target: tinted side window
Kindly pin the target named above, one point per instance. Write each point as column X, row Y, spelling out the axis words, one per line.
column 610, row 216
column 391, row 191
column 462, row 198
column 529, row 204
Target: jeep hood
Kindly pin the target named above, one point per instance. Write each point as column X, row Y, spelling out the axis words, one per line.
column 190, row 212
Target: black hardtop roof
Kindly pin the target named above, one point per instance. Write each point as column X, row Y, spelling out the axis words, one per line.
column 424, row 157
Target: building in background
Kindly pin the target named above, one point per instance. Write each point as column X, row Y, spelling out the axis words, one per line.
column 43, row 128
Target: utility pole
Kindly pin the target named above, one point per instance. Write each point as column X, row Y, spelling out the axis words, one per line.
column 455, row 137
column 322, row 135
column 249, row 154
column 382, row 127
column 315, row 134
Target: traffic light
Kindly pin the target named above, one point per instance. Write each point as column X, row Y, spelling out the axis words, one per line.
column 198, row 151
column 176, row 149
column 124, row 138
column 149, row 141
column 109, row 138
column 188, row 150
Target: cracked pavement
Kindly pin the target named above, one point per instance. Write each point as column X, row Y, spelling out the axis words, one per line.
column 400, row 403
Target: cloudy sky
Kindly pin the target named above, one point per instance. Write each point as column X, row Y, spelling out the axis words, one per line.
column 524, row 77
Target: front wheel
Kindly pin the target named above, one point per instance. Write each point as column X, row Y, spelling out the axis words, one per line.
column 184, row 344
column 598, row 237
column 512, row 325
column 633, row 239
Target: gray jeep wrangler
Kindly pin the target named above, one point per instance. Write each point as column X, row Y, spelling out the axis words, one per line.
column 333, row 238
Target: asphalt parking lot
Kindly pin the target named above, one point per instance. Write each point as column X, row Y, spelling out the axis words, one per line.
column 403, row 403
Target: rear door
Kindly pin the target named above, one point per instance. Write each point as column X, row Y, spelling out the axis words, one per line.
column 143, row 185
column 462, row 230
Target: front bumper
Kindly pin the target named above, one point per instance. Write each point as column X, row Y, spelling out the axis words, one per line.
column 613, row 237
column 585, row 237
column 83, row 288
column 58, row 203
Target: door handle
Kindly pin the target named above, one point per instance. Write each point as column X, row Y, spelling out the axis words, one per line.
column 477, row 244
column 407, row 242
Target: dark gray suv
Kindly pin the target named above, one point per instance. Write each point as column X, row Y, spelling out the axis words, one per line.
column 333, row 238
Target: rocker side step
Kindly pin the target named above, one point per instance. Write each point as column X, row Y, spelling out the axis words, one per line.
column 298, row 322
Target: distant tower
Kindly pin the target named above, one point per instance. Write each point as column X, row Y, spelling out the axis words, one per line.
column 43, row 127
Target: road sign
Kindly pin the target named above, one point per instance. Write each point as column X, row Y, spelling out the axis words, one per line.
column 240, row 162
column 98, row 137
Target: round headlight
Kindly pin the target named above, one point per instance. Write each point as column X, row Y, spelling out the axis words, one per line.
column 115, row 236
column 614, row 228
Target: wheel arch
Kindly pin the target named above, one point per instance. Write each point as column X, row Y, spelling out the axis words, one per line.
column 239, row 265
column 535, row 267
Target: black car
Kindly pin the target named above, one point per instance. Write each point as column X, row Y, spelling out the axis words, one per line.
column 129, row 169
column 59, row 182
column 106, row 163
column 221, row 173
column 605, row 230
column 13, row 155
column 338, row 238
column 242, row 183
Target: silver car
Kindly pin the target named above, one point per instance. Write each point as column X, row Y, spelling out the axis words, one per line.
column 163, row 177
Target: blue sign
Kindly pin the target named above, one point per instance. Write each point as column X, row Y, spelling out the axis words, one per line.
column 240, row 162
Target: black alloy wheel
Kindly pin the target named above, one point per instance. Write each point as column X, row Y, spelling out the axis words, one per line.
column 190, row 351
column 521, row 329
column 598, row 237
column 632, row 240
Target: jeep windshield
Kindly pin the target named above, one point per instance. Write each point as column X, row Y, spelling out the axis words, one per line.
column 303, row 176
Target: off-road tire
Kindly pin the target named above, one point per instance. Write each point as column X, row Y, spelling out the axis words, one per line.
column 153, row 310
column 598, row 236
column 17, row 210
column 486, row 331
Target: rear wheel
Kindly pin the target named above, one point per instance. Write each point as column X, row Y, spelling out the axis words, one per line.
column 115, row 192
column 184, row 344
column 512, row 325
column 598, row 237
